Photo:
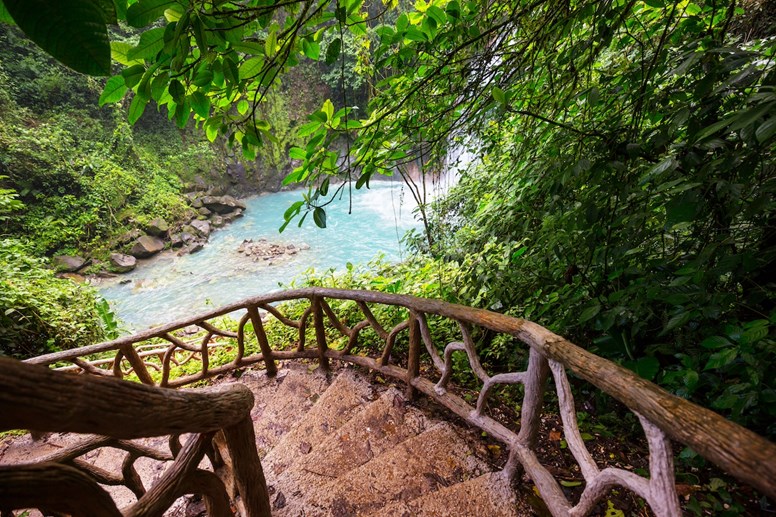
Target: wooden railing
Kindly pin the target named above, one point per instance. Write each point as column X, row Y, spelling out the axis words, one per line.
column 664, row 417
column 38, row 398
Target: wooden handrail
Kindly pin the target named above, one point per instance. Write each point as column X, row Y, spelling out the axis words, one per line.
column 36, row 397
column 742, row 453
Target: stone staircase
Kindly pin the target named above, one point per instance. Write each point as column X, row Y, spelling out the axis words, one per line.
column 345, row 448
column 337, row 445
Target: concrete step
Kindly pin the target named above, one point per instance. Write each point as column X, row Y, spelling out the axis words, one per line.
column 434, row 459
column 347, row 395
column 489, row 494
column 282, row 401
column 379, row 427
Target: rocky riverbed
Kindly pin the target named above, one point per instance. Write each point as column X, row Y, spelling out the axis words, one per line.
column 207, row 212
column 268, row 252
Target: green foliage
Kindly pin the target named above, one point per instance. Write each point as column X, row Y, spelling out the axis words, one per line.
column 73, row 31
column 85, row 174
column 38, row 312
column 629, row 200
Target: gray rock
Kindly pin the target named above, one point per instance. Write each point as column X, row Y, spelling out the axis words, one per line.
column 204, row 211
column 201, row 227
column 129, row 236
column 197, row 246
column 121, row 263
column 157, row 227
column 196, row 203
column 222, row 204
column 176, row 240
column 146, row 246
column 68, row 264
column 217, row 221
column 233, row 215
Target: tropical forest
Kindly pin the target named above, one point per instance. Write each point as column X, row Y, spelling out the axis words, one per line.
column 604, row 170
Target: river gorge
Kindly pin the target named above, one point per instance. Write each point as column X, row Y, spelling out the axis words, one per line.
column 232, row 265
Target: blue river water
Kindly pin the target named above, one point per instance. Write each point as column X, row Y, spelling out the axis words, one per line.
column 169, row 287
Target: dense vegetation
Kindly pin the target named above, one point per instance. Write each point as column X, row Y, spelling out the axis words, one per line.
column 624, row 192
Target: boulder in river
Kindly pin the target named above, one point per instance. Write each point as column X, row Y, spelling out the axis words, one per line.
column 201, row 227
column 231, row 216
column 176, row 240
column 146, row 246
column 157, row 227
column 121, row 263
column 68, row 263
column 222, row 204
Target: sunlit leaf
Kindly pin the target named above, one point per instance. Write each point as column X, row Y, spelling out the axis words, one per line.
column 114, row 90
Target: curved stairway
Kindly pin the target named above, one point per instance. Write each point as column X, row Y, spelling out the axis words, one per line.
column 337, row 445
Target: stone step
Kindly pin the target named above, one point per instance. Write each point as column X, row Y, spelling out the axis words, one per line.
column 489, row 494
column 379, row 427
column 434, row 459
column 282, row 401
column 347, row 395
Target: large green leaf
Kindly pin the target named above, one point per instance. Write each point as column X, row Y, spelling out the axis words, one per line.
column 144, row 12
column 137, row 107
column 5, row 16
column 72, row 31
column 114, row 90
column 119, row 51
column 151, row 42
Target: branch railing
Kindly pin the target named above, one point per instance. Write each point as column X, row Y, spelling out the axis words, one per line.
column 663, row 417
column 217, row 419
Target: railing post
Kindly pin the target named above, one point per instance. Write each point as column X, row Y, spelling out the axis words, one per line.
column 530, row 413
column 261, row 336
column 320, row 333
column 413, row 360
column 137, row 364
column 246, row 468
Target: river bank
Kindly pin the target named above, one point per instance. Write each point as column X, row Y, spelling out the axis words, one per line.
column 169, row 286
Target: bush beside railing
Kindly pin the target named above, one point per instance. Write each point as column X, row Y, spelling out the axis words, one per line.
column 740, row 452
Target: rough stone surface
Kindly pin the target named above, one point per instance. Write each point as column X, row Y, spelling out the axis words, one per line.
column 176, row 240
column 157, row 227
column 222, row 204
column 233, row 215
column 146, row 246
column 275, row 413
column 434, row 459
column 121, row 263
column 68, row 264
column 488, row 494
column 345, row 397
column 263, row 249
column 201, row 227
column 217, row 221
column 129, row 236
column 382, row 425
